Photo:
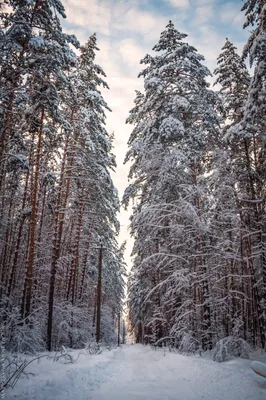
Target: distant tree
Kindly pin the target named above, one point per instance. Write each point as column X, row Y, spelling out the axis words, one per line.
column 234, row 78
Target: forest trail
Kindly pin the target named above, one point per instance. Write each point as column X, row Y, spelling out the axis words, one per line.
column 141, row 373
column 135, row 372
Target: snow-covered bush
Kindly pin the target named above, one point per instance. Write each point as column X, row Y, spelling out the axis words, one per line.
column 188, row 344
column 108, row 327
column 73, row 326
column 21, row 336
column 230, row 347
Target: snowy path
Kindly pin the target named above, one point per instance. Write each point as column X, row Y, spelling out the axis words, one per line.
column 138, row 373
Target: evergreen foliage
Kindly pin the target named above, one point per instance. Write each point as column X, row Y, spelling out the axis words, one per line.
column 197, row 184
column 197, row 188
column 57, row 196
column 176, row 128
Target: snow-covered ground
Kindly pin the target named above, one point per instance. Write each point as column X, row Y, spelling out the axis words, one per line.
column 137, row 372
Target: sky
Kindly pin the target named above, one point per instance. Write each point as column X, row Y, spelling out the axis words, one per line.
column 126, row 31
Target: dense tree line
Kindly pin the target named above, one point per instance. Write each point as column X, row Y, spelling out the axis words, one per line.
column 198, row 189
column 57, row 197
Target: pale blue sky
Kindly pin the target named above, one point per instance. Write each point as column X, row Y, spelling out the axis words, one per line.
column 127, row 30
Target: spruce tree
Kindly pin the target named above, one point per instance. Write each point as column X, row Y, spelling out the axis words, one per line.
column 227, row 189
column 57, row 196
column 234, row 78
column 36, row 56
column 85, row 183
column 252, row 129
column 175, row 130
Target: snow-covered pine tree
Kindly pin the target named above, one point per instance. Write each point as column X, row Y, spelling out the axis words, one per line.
column 86, row 210
column 234, row 78
column 102, row 198
column 252, row 129
column 57, row 196
column 35, row 56
column 229, row 181
column 175, row 130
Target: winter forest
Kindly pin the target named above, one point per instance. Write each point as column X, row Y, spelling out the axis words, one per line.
column 198, row 159
column 197, row 156
column 58, row 202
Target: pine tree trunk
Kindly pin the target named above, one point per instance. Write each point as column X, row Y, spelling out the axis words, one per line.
column 27, row 292
column 19, row 235
column 3, row 137
column 76, row 250
column 84, row 267
column 5, row 268
column 58, row 231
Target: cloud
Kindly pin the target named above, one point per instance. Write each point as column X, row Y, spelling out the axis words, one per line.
column 204, row 13
column 139, row 21
column 208, row 43
column 205, row 2
column 94, row 14
column 130, row 52
column 239, row 19
column 178, row 3
column 229, row 11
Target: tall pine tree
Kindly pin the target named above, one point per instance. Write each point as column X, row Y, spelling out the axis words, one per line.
column 175, row 130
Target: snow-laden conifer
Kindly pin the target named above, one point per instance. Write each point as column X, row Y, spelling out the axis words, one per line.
column 86, row 194
column 252, row 128
column 239, row 172
column 57, row 195
column 35, row 58
column 234, row 78
column 175, row 133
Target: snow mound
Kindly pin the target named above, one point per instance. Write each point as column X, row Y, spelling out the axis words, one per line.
column 230, row 347
column 259, row 368
column 188, row 344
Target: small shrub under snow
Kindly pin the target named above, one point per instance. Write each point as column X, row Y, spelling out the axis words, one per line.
column 230, row 347
column 188, row 344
